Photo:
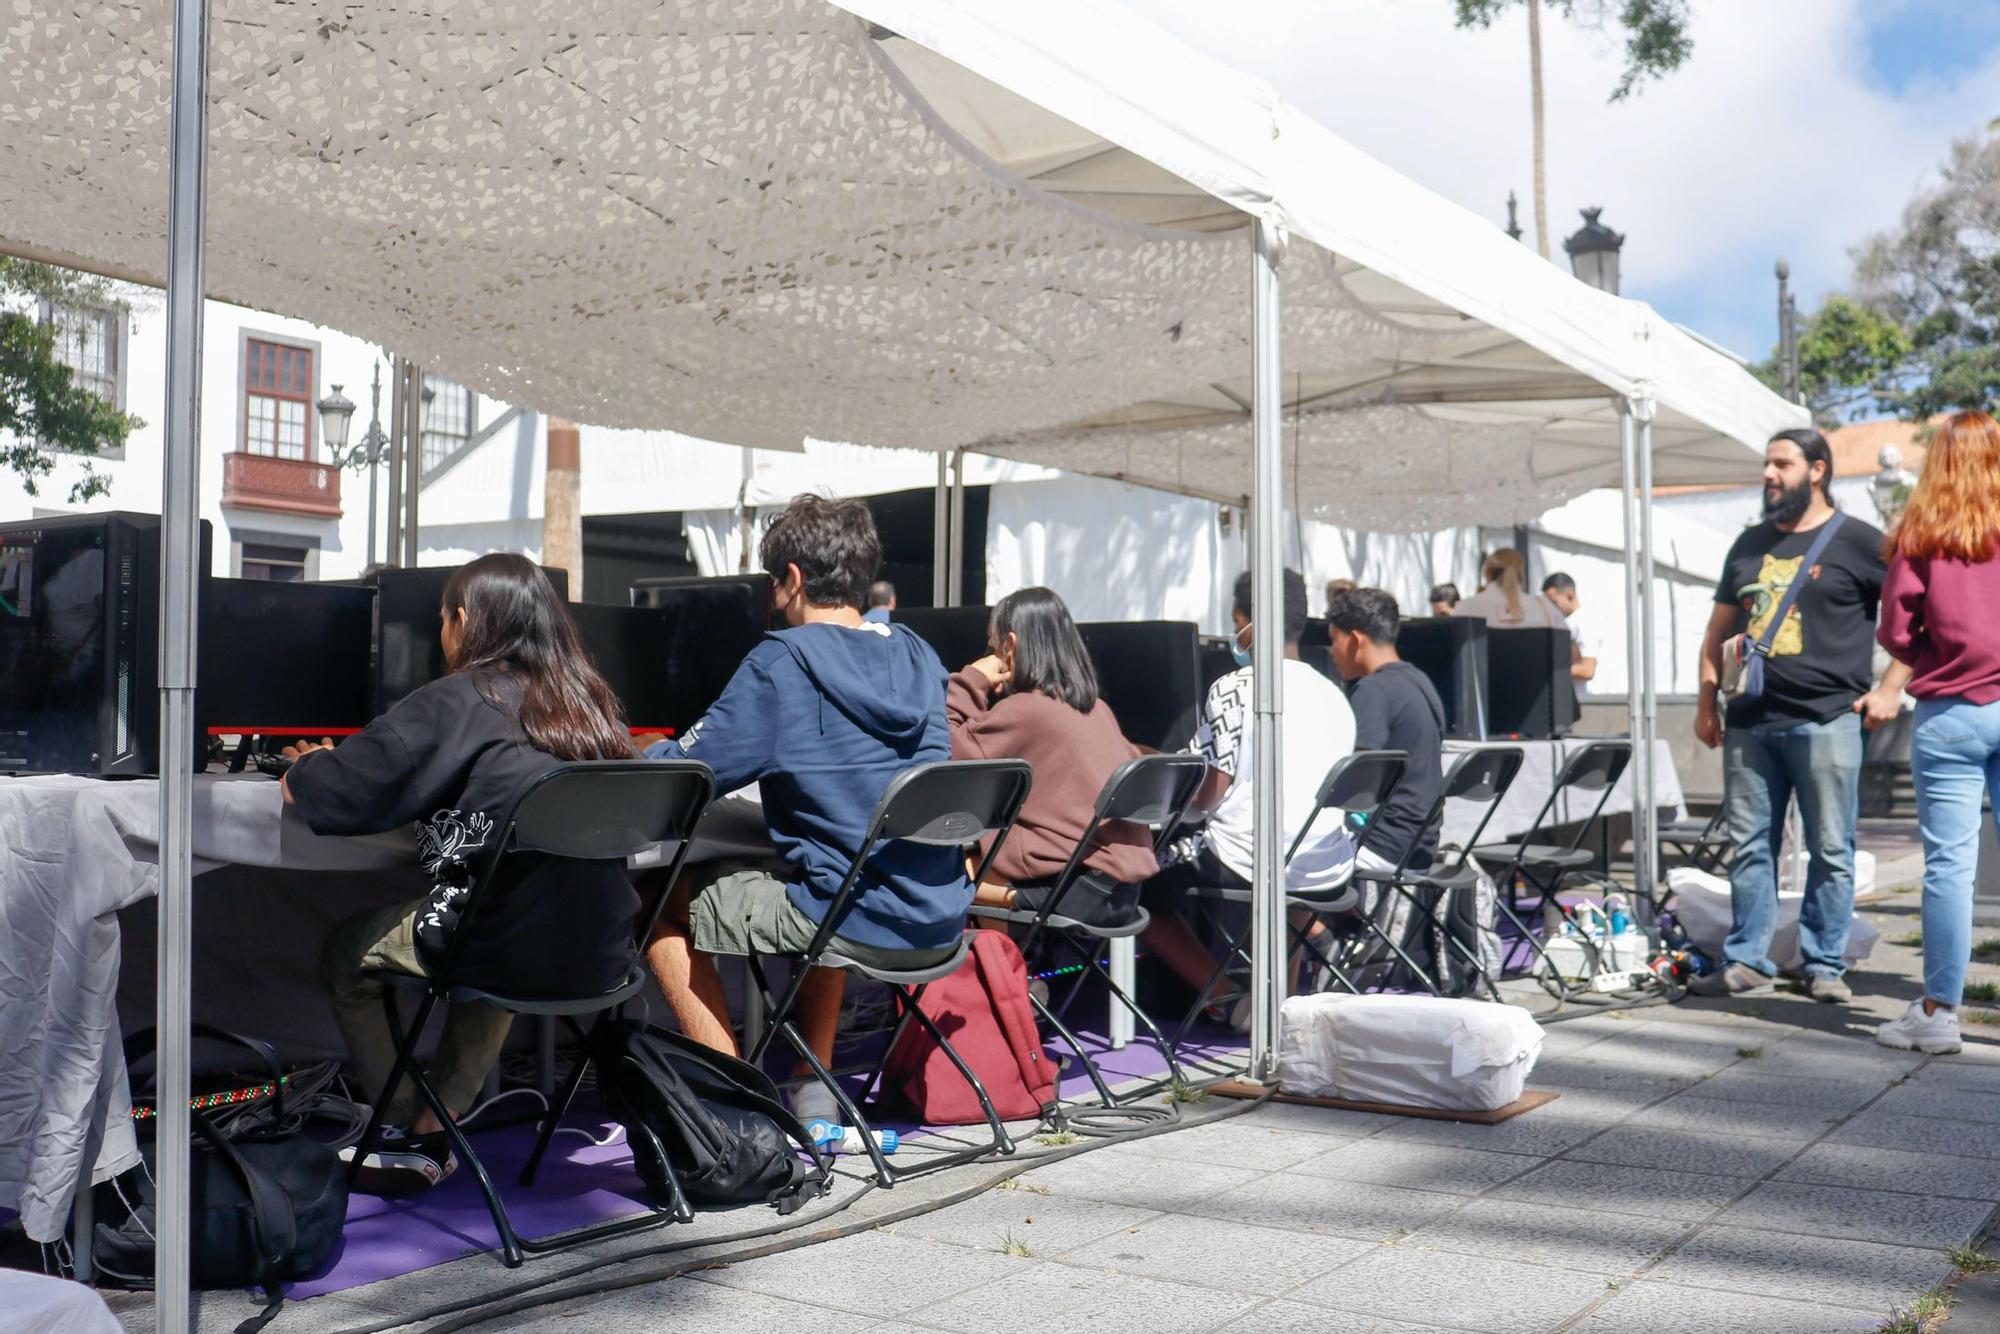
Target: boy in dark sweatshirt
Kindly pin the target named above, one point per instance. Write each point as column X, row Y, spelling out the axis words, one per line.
column 822, row 715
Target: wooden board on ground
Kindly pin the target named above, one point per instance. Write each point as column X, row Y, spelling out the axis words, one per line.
column 1527, row 1102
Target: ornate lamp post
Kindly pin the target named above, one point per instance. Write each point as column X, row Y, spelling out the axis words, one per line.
column 336, row 415
column 1593, row 252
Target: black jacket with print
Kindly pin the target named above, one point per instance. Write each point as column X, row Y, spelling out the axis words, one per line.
column 451, row 760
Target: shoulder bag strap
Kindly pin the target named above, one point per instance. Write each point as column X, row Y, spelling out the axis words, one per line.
column 273, row 1224
column 1798, row 585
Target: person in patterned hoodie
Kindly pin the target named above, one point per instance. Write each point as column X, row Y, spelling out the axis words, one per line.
column 520, row 697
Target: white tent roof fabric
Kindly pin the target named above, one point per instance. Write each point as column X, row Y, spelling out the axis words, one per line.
column 759, row 220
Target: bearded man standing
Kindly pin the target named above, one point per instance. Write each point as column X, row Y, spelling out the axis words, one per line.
column 1801, row 737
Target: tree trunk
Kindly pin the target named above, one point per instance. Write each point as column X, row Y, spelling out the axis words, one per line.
column 1541, row 140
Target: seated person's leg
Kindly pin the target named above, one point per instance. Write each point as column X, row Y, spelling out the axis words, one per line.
column 688, row 978
column 369, row 940
column 1168, row 937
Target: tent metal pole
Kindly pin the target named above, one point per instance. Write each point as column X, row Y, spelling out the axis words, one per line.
column 180, row 554
column 413, row 457
column 392, row 548
column 1635, row 653
column 941, row 534
column 1267, row 601
column 955, row 565
column 1645, row 815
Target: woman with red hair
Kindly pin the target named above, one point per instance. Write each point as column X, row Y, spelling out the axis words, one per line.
column 1941, row 615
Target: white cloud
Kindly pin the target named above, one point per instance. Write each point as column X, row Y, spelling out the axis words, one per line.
column 1775, row 138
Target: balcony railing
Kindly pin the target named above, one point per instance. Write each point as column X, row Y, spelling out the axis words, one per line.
column 288, row 486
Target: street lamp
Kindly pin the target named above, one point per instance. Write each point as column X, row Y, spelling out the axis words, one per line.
column 336, row 415
column 1890, row 488
column 1593, row 252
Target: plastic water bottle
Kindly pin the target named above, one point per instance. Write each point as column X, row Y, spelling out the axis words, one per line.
column 848, row 1139
column 1621, row 920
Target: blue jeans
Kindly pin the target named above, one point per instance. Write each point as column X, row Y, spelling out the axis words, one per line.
column 1764, row 767
column 1955, row 759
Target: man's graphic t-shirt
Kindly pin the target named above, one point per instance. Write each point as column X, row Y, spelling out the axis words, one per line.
column 1822, row 654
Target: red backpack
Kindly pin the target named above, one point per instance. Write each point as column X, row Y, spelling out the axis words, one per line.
column 983, row 1009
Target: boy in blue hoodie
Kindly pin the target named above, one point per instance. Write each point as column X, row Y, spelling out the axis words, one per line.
column 821, row 715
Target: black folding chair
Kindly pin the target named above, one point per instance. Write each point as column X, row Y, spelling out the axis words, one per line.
column 950, row 804
column 1357, row 784
column 589, row 811
column 1151, row 792
column 1702, row 844
column 1480, row 776
column 1548, row 868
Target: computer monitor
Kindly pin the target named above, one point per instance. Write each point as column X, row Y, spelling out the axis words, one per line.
column 1532, row 692
column 958, row 634
column 407, row 652
column 79, row 643
column 1151, row 676
column 286, row 659
column 669, row 658
column 1451, row 651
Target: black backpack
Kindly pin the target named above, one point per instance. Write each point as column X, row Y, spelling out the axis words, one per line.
column 717, row 1120
column 266, row 1209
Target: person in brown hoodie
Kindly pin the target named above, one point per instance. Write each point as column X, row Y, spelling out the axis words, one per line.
column 1035, row 698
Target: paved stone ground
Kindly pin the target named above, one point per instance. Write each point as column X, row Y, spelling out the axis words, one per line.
column 1749, row 1165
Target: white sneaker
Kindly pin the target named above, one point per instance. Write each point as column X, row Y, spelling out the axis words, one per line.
column 1916, row 1031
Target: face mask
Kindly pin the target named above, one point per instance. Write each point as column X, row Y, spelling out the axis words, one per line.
column 1236, row 649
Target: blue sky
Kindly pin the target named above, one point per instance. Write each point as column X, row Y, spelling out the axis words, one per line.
column 1798, row 128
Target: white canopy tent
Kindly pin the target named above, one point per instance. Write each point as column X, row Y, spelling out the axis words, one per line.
column 744, row 220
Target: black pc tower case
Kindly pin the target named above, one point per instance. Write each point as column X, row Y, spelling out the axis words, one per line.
column 1452, row 652
column 668, row 656
column 1531, row 691
column 80, row 643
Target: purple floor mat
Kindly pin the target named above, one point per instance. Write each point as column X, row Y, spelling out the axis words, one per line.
column 580, row 1184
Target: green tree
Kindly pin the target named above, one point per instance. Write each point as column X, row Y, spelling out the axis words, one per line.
column 1936, row 276
column 1656, row 44
column 43, row 412
column 1851, row 359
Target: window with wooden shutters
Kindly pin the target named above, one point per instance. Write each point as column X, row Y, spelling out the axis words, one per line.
column 277, row 399
column 447, row 420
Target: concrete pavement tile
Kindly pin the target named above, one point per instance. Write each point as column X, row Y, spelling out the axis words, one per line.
column 1581, row 1240
column 1661, row 1308
column 1616, row 1188
column 1217, row 1254
column 1471, row 1292
column 1602, row 1105
column 1118, row 1176
column 1529, row 1133
column 1288, row 1317
column 1417, row 1166
column 1920, row 1134
column 1895, row 1169
column 1334, row 1208
column 1831, row 1056
column 1947, row 1072
column 1233, row 1143
column 1685, row 1151
column 1063, row 1299
column 1745, row 1083
column 1921, row 1097
column 1894, row 1217
column 1862, row 1274
column 1660, row 1058
column 1319, row 1120
column 1047, row 1224
column 874, row 1273
column 1628, row 1074
column 1695, row 1110
column 689, row 1302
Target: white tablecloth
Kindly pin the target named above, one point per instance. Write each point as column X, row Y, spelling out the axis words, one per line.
column 1540, row 762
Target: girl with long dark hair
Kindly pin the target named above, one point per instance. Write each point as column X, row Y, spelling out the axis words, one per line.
column 1035, row 697
column 519, row 697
